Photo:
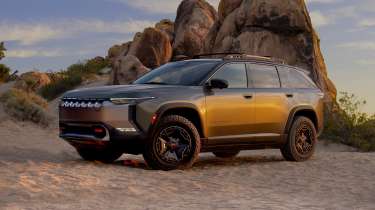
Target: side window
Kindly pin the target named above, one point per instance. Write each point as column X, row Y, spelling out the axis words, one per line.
column 291, row 78
column 264, row 76
column 234, row 74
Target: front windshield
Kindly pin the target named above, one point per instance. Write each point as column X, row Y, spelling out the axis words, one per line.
column 186, row 73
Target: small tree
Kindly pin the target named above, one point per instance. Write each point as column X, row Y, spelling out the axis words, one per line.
column 350, row 125
column 2, row 49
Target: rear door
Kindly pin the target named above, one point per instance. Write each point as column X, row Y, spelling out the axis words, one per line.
column 272, row 106
column 230, row 111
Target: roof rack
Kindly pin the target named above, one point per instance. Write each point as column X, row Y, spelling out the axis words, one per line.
column 242, row 56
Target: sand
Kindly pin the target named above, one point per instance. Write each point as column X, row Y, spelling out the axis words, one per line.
column 40, row 171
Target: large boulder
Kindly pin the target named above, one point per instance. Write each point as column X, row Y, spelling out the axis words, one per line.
column 166, row 26
column 127, row 69
column 32, row 81
column 194, row 20
column 270, row 28
column 148, row 50
column 117, row 51
column 152, row 47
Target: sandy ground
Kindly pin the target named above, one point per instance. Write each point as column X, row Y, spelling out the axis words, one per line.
column 40, row 171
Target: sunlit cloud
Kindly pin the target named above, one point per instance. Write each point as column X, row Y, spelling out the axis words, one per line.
column 33, row 33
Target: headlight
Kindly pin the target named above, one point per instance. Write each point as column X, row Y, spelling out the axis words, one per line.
column 121, row 101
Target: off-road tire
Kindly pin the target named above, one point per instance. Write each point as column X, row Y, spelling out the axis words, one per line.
column 102, row 155
column 226, row 154
column 150, row 154
column 289, row 150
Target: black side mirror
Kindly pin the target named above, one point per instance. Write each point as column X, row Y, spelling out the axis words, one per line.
column 217, row 84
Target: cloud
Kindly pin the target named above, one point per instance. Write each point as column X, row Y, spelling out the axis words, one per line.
column 34, row 53
column 318, row 19
column 366, row 62
column 359, row 45
column 33, row 33
column 367, row 23
column 160, row 6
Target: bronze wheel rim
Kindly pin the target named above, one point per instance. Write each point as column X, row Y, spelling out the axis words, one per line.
column 304, row 139
column 173, row 144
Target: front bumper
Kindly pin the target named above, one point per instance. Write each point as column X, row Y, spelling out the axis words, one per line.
column 78, row 125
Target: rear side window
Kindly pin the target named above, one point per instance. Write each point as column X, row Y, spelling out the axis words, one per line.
column 234, row 74
column 291, row 78
column 264, row 76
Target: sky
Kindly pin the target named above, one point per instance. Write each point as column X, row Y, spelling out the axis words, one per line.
column 49, row 35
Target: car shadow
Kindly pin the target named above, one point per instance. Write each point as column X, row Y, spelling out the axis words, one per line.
column 209, row 161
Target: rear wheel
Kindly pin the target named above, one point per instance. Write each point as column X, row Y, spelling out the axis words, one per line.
column 227, row 154
column 102, row 155
column 175, row 144
column 302, row 140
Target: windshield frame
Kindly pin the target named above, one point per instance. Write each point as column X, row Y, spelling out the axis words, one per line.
column 216, row 63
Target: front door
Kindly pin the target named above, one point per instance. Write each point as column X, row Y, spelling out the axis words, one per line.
column 230, row 111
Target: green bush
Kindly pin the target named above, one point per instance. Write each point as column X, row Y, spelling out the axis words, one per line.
column 72, row 77
column 4, row 72
column 25, row 106
column 348, row 125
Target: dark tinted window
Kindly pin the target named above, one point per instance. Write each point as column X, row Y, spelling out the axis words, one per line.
column 234, row 74
column 189, row 73
column 291, row 78
column 264, row 76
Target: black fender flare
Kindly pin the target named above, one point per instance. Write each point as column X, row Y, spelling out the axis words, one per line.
column 293, row 113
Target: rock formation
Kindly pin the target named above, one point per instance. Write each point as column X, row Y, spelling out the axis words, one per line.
column 127, row 69
column 193, row 21
column 270, row 28
column 149, row 49
column 281, row 29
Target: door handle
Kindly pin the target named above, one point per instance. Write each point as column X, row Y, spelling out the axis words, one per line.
column 289, row 95
column 248, row 96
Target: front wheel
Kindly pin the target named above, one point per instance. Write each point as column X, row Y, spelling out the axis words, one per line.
column 301, row 142
column 175, row 144
column 102, row 155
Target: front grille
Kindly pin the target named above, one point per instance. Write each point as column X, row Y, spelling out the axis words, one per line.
column 82, row 103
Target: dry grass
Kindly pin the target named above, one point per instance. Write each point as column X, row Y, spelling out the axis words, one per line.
column 25, row 106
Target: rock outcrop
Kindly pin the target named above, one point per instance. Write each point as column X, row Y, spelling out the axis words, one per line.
column 166, row 26
column 270, row 28
column 280, row 29
column 152, row 47
column 194, row 20
column 127, row 69
column 149, row 49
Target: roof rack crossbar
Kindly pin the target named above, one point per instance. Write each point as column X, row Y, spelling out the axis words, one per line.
column 242, row 56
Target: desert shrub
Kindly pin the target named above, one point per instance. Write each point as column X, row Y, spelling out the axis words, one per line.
column 349, row 125
column 4, row 72
column 72, row 77
column 25, row 106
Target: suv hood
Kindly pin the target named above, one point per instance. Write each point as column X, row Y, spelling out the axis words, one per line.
column 123, row 91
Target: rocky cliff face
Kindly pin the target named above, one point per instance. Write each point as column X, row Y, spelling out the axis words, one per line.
column 281, row 29
column 270, row 28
